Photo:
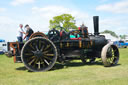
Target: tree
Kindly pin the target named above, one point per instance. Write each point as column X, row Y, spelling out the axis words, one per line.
column 65, row 20
column 123, row 36
column 110, row 32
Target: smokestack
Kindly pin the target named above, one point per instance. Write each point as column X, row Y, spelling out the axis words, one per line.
column 96, row 25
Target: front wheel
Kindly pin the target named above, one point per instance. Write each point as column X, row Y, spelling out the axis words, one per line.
column 110, row 55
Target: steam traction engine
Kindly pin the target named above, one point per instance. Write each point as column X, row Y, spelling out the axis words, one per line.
column 41, row 52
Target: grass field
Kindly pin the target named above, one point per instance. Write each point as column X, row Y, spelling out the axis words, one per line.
column 73, row 73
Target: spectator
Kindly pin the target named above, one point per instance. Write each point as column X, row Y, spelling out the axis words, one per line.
column 20, row 33
column 28, row 33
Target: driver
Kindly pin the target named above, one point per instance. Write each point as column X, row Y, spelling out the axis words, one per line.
column 83, row 31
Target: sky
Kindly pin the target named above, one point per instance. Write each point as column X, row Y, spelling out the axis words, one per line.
column 113, row 14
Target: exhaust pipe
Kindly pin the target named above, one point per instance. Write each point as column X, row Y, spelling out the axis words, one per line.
column 96, row 25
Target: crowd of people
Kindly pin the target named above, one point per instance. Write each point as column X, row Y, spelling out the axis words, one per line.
column 28, row 32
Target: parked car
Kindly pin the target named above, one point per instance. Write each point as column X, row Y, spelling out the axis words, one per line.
column 121, row 44
column 3, row 47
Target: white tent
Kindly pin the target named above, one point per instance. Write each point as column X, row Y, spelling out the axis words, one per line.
column 110, row 37
column 126, row 38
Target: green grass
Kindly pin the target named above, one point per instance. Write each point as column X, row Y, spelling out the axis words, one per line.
column 74, row 73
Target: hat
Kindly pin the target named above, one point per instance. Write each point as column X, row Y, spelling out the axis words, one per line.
column 26, row 25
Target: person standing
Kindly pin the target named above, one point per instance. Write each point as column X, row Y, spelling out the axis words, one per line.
column 20, row 33
column 28, row 33
column 84, row 31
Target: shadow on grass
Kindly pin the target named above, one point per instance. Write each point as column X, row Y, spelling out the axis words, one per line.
column 78, row 64
column 73, row 64
column 114, row 65
column 58, row 66
column 21, row 68
column 66, row 65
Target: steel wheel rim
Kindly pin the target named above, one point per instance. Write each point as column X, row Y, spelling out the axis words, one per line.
column 39, row 54
column 112, row 55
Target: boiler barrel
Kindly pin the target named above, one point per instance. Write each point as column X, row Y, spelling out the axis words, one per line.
column 98, row 41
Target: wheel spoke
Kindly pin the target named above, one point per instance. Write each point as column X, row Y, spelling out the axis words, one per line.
column 108, row 60
column 32, row 61
column 111, row 60
column 46, row 61
column 47, row 47
column 46, row 51
column 47, row 57
column 39, row 44
column 109, row 49
column 35, row 63
column 42, row 62
column 42, row 48
column 49, row 54
column 115, row 50
column 38, row 65
column 37, row 48
column 30, row 45
column 33, row 52
column 115, row 57
column 32, row 57
column 28, row 54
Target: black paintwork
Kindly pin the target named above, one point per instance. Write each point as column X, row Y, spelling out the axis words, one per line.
column 90, row 46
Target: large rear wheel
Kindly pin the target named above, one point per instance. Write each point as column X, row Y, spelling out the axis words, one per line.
column 39, row 54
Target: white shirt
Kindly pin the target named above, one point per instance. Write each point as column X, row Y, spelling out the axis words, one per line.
column 19, row 32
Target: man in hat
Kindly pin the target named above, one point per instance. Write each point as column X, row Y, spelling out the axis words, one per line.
column 28, row 33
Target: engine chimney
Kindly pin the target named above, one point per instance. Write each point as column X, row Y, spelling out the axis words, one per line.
column 96, row 25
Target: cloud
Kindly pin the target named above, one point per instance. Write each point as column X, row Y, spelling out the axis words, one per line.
column 2, row 9
column 118, row 7
column 44, row 14
column 51, row 11
column 48, row 12
column 8, row 28
column 19, row 2
column 38, row 20
column 103, row 0
column 40, row 16
column 115, row 24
